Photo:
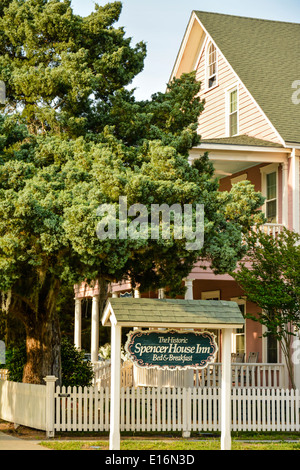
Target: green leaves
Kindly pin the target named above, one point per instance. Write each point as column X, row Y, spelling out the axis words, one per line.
column 72, row 137
column 270, row 279
column 76, row 138
column 53, row 62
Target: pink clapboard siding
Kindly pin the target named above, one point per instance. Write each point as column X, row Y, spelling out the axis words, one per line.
column 212, row 122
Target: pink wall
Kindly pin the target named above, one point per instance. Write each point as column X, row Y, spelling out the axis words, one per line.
column 228, row 290
column 252, row 122
column 254, row 175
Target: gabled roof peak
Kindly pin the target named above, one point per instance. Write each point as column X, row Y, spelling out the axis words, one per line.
column 265, row 55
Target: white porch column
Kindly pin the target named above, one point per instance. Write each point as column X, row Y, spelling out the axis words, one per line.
column 295, row 188
column 226, row 390
column 95, row 329
column 137, row 294
column 77, row 324
column 161, row 293
column 189, row 291
column 114, row 434
column 285, row 201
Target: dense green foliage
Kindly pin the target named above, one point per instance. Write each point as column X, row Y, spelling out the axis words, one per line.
column 270, row 277
column 75, row 370
column 73, row 137
column 15, row 361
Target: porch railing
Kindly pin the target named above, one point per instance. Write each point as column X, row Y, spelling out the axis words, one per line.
column 244, row 375
column 102, row 374
column 256, row 375
column 272, row 229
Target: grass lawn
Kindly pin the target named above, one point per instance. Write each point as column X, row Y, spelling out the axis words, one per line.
column 241, row 441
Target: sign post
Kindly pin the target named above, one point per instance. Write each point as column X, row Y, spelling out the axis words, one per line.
column 114, row 435
column 172, row 342
column 226, row 390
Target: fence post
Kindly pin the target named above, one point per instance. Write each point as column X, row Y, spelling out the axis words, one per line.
column 50, row 404
column 186, row 409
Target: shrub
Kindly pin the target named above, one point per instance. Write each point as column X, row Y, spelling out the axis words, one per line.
column 15, row 361
column 75, row 370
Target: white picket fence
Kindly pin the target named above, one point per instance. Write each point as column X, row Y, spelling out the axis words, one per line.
column 53, row 409
column 177, row 409
column 23, row 404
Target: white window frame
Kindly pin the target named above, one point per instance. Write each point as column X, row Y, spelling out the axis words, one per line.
column 266, row 170
column 239, row 301
column 211, row 294
column 207, row 76
column 228, row 92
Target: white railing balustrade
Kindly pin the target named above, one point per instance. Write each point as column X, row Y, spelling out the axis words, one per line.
column 102, row 374
column 3, row 374
column 244, row 375
column 271, row 229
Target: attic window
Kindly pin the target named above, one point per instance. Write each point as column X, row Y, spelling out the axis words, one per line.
column 211, row 66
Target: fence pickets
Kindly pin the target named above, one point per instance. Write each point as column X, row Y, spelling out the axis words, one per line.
column 147, row 408
column 176, row 409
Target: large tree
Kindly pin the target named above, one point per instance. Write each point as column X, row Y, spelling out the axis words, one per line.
column 72, row 137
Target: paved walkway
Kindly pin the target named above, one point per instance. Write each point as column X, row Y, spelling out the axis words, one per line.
column 8, row 442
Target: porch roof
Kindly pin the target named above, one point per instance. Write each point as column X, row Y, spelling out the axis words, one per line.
column 178, row 313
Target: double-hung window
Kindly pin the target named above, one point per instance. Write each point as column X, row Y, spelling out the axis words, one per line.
column 271, row 201
column 270, row 192
column 233, row 112
column 238, row 345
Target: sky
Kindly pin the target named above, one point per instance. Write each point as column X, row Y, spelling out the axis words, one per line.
column 161, row 24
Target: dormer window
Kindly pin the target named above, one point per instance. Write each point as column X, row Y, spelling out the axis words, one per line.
column 211, row 65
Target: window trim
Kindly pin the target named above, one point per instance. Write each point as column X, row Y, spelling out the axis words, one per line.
column 228, row 92
column 207, row 76
column 239, row 301
column 210, row 294
column 266, row 170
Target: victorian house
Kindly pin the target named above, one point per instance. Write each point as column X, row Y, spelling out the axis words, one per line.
column 250, row 80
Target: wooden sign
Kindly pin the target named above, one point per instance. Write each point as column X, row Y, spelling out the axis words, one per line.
column 171, row 349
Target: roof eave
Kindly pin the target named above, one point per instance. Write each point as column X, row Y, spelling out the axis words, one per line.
column 177, row 325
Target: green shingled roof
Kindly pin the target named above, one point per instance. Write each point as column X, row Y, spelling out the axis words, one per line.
column 266, row 56
column 166, row 311
column 242, row 140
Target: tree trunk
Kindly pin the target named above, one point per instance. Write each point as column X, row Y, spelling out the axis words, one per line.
column 42, row 329
column 43, row 351
column 103, row 293
column 286, row 350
